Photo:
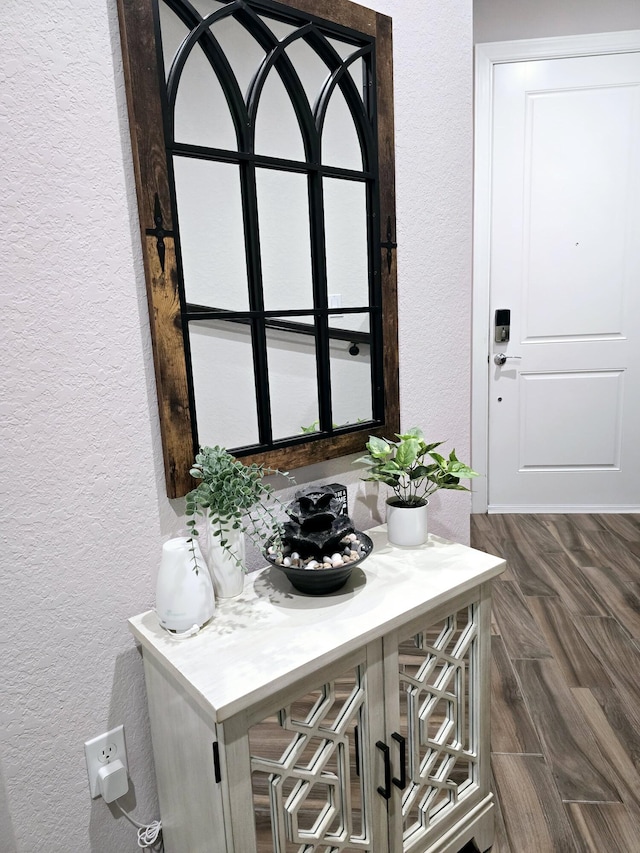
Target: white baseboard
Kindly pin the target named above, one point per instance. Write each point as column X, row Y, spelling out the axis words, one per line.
column 497, row 509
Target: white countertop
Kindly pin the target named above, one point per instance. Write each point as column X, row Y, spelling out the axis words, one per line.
column 271, row 634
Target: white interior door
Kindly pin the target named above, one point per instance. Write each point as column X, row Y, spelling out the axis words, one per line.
column 564, row 259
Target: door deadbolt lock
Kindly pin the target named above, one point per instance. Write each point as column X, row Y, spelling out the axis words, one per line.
column 502, row 326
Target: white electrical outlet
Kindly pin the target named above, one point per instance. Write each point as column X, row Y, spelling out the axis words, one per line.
column 102, row 750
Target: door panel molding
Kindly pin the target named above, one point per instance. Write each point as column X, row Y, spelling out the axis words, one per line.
column 487, row 56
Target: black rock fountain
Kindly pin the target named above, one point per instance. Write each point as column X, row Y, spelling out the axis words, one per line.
column 319, row 547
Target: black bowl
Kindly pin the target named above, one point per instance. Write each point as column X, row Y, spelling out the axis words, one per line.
column 322, row 581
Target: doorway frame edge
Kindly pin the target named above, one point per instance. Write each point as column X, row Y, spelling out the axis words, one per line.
column 487, row 56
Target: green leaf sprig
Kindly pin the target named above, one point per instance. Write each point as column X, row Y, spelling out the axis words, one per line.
column 231, row 496
column 411, row 467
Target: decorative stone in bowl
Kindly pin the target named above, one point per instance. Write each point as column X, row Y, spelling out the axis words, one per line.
column 319, row 546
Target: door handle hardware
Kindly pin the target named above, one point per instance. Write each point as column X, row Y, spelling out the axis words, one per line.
column 356, row 742
column 500, row 358
column 216, row 762
column 402, row 781
column 386, row 791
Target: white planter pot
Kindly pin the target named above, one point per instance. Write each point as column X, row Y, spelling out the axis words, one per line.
column 406, row 526
column 183, row 598
column 226, row 574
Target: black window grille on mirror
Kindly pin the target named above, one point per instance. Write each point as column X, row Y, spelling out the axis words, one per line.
column 272, row 152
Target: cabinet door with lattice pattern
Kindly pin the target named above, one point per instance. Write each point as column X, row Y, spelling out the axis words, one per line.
column 312, row 767
column 438, row 722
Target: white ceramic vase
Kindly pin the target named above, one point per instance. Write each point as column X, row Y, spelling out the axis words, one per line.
column 183, row 598
column 407, row 525
column 227, row 573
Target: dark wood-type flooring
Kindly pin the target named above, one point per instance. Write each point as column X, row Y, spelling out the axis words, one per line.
column 565, row 709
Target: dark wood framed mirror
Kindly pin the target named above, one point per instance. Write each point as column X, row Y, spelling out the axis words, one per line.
column 262, row 138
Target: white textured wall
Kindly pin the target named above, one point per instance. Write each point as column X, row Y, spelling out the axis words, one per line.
column 83, row 509
column 503, row 20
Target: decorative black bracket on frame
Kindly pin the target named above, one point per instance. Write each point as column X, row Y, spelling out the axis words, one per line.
column 158, row 232
column 389, row 245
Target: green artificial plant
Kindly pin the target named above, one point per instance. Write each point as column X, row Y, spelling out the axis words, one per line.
column 412, row 469
column 232, row 496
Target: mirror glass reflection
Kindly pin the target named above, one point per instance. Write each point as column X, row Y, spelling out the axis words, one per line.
column 223, row 383
column 285, row 240
column 292, row 382
column 347, row 241
column 214, row 267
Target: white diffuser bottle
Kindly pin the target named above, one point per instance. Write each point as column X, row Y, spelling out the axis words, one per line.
column 184, row 598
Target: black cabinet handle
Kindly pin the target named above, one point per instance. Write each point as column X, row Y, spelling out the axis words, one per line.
column 402, row 781
column 386, row 791
column 356, row 740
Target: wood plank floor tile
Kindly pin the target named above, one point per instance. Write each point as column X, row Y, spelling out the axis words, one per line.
column 527, row 564
column 634, row 547
column 623, row 716
column 618, row 757
column 618, row 596
column 579, row 665
column 576, row 591
column 566, row 533
column 521, row 633
column 625, row 526
column 579, row 520
column 610, row 642
column 604, row 827
column 577, row 675
column 580, row 771
column 532, row 529
column 533, row 814
column 615, row 552
column 501, row 841
column 512, row 729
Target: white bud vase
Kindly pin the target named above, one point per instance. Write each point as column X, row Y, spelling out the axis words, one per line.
column 184, row 598
column 407, row 525
column 227, row 571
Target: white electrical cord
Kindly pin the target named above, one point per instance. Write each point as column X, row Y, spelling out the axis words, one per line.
column 147, row 833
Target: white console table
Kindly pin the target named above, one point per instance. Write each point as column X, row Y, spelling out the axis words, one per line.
column 357, row 721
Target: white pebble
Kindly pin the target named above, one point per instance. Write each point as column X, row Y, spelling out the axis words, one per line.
column 286, row 561
column 313, row 564
column 337, row 562
column 295, row 555
column 352, row 537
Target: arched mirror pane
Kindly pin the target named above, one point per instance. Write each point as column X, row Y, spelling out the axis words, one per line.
column 346, row 238
column 280, row 29
column 243, row 52
column 173, row 33
column 207, row 7
column 201, row 115
column 277, row 129
column 209, row 214
column 285, row 245
column 311, row 69
column 342, row 48
column 351, row 376
column 357, row 69
column 340, row 143
column 223, row 383
column 292, row 381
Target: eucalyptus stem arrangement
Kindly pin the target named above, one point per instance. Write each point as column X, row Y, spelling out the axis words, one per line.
column 412, row 469
column 231, row 496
